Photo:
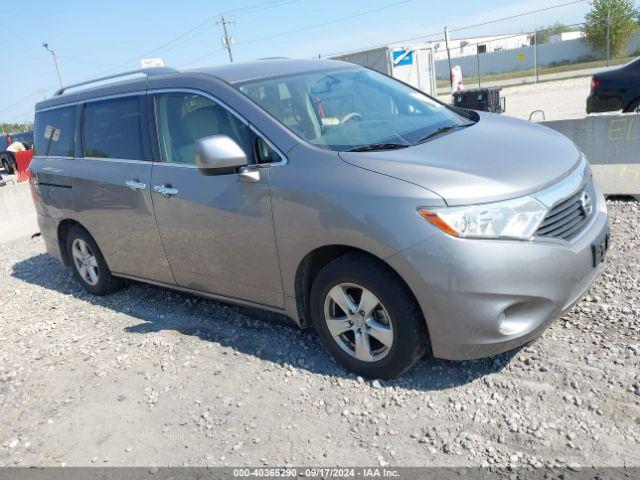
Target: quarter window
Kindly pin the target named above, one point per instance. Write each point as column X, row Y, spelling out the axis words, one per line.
column 55, row 132
column 265, row 154
column 112, row 129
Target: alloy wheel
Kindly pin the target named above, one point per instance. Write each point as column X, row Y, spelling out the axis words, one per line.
column 358, row 322
column 85, row 261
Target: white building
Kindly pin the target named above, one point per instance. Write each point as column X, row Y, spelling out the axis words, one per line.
column 564, row 36
column 463, row 47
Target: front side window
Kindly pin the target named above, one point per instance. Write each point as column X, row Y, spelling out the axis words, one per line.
column 184, row 117
column 55, row 132
column 112, row 129
column 350, row 108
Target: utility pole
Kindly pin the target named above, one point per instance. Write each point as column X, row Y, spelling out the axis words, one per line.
column 446, row 41
column 55, row 60
column 478, row 59
column 608, row 37
column 535, row 55
column 226, row 40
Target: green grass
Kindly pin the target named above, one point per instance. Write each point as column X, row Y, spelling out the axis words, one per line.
column 470, row 81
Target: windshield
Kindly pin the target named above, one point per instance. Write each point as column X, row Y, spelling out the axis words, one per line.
column 349, row 109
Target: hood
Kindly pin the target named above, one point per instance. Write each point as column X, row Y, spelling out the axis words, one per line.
column 498, row 158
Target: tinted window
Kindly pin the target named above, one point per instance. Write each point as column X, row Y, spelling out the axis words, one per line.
column 112, row 129
column 54, row 132
column 183, row 118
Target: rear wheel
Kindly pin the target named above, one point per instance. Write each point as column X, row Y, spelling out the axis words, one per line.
column 89, row 266
column 634, row 107
column 366, row 317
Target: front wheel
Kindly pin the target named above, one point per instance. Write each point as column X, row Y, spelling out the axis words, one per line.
column 89, row 266
column 366, row 317
column 6, row 164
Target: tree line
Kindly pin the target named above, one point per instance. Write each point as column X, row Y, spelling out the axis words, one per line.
column 615, row 20
column 15, row 127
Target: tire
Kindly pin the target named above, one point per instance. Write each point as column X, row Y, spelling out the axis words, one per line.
column 634, row 107
column 7, row 166
column 396, row 319
column 95, row 277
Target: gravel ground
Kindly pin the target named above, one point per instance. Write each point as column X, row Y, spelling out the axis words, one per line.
column 558, row 99
column 152, row 377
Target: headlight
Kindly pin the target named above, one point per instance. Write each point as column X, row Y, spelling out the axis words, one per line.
column 515, row 219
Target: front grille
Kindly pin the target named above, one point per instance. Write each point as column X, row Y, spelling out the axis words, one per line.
column 567, row 218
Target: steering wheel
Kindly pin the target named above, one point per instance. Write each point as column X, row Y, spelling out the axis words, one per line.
column 350, row 116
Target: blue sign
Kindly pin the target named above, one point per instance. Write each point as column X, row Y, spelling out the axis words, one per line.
column 402, row 57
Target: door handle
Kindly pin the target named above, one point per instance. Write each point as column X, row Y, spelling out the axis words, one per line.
column 165, row 190
column 135, row 184
column 249, row 174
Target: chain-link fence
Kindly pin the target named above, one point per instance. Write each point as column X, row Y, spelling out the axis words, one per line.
column 525, row 57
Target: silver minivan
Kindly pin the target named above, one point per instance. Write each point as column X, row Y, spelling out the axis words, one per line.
column 336, row 195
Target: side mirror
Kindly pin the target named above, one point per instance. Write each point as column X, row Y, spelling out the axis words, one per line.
column 219, row 152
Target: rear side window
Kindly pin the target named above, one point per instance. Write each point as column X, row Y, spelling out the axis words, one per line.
column 112, row 129
column 55, row 132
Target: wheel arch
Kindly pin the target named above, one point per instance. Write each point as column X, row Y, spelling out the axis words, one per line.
column 633, row 102
column 6, row 159
column 315, row 260
column 63, row 230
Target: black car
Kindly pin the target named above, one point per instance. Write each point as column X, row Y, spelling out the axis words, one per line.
column 7, row 159
column 26, row 138
column 616, row 90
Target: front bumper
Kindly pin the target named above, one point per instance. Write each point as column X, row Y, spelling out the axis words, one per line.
column 484, row 297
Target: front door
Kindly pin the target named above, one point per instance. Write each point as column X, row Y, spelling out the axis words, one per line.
column 217, row 231
column 111, row 187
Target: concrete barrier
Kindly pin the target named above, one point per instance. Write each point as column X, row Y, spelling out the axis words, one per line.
column 611, row 142
column 612, row 145
column 18, row 218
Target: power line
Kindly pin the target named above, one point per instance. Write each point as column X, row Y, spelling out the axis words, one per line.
column 199, row 30
column 167, row 43
column 236, row 12
column 80, row 60
column 516, row 35
column 9, row 107
column 519, row 15
column 380, row 45
column 212, row 53
column 438, row 34
column 258, row 7
column 319, row 25
column 24, row 116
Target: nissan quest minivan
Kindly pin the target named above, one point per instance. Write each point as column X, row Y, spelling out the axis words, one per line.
column 336, row 195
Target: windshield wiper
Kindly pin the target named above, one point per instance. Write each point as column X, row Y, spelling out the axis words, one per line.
column 442, row 130
column 379, row 147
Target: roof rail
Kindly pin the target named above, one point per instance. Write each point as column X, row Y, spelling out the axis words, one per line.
column 149, row 72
